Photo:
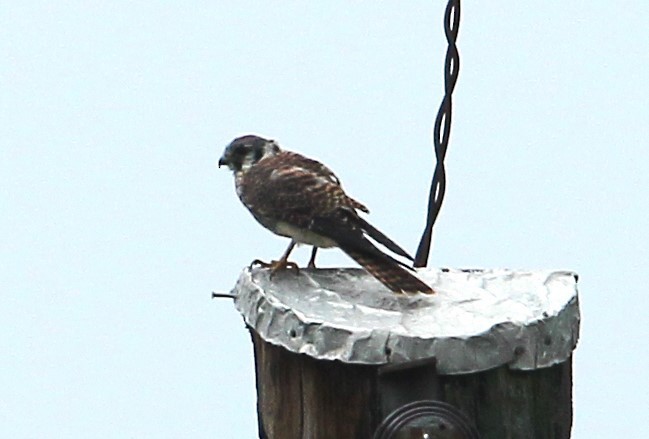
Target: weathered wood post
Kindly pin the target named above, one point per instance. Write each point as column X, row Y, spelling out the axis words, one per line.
column 488, row 356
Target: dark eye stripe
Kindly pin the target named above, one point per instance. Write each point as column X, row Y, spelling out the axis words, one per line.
column 259, row 153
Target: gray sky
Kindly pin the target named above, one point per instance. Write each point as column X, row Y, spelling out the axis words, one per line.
column 116, row 224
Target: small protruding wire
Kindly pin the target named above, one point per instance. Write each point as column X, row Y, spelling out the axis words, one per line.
column 216, row 295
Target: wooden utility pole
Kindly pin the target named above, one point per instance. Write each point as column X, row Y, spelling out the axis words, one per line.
column 339, row 356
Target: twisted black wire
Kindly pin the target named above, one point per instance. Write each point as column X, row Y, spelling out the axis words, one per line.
column 441, row 130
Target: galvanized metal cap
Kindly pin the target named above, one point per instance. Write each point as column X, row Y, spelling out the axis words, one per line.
column 477, row 320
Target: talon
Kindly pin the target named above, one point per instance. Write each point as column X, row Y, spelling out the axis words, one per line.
column 282, row 264
column 276, row 266
column 260, row 263
column 311, row 263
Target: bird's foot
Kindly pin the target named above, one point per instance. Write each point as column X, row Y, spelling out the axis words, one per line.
column 276, row 266
column 311, row 263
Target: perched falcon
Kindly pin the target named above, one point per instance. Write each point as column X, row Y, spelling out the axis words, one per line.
column 302, row 199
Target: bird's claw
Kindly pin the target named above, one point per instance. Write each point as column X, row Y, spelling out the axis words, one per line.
column 276, row 266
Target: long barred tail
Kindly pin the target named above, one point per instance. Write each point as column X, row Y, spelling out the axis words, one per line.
column 389, row 273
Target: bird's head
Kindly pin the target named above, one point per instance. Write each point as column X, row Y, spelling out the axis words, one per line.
column 245, row 151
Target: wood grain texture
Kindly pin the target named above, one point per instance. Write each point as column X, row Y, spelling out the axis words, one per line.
column 299, row 397
column 509, row 404
column 303, row 398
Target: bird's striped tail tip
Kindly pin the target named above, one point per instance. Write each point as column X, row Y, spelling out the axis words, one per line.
column 397, row 278
column 416, row 288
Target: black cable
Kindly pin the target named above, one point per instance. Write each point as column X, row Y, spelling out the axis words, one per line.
column 441, row 130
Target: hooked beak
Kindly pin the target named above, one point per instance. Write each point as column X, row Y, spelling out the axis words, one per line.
column 222, row 162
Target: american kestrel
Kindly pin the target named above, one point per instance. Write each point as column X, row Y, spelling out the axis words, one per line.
column 302, row 199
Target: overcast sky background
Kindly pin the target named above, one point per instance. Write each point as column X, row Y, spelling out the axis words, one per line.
column 116, row 224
